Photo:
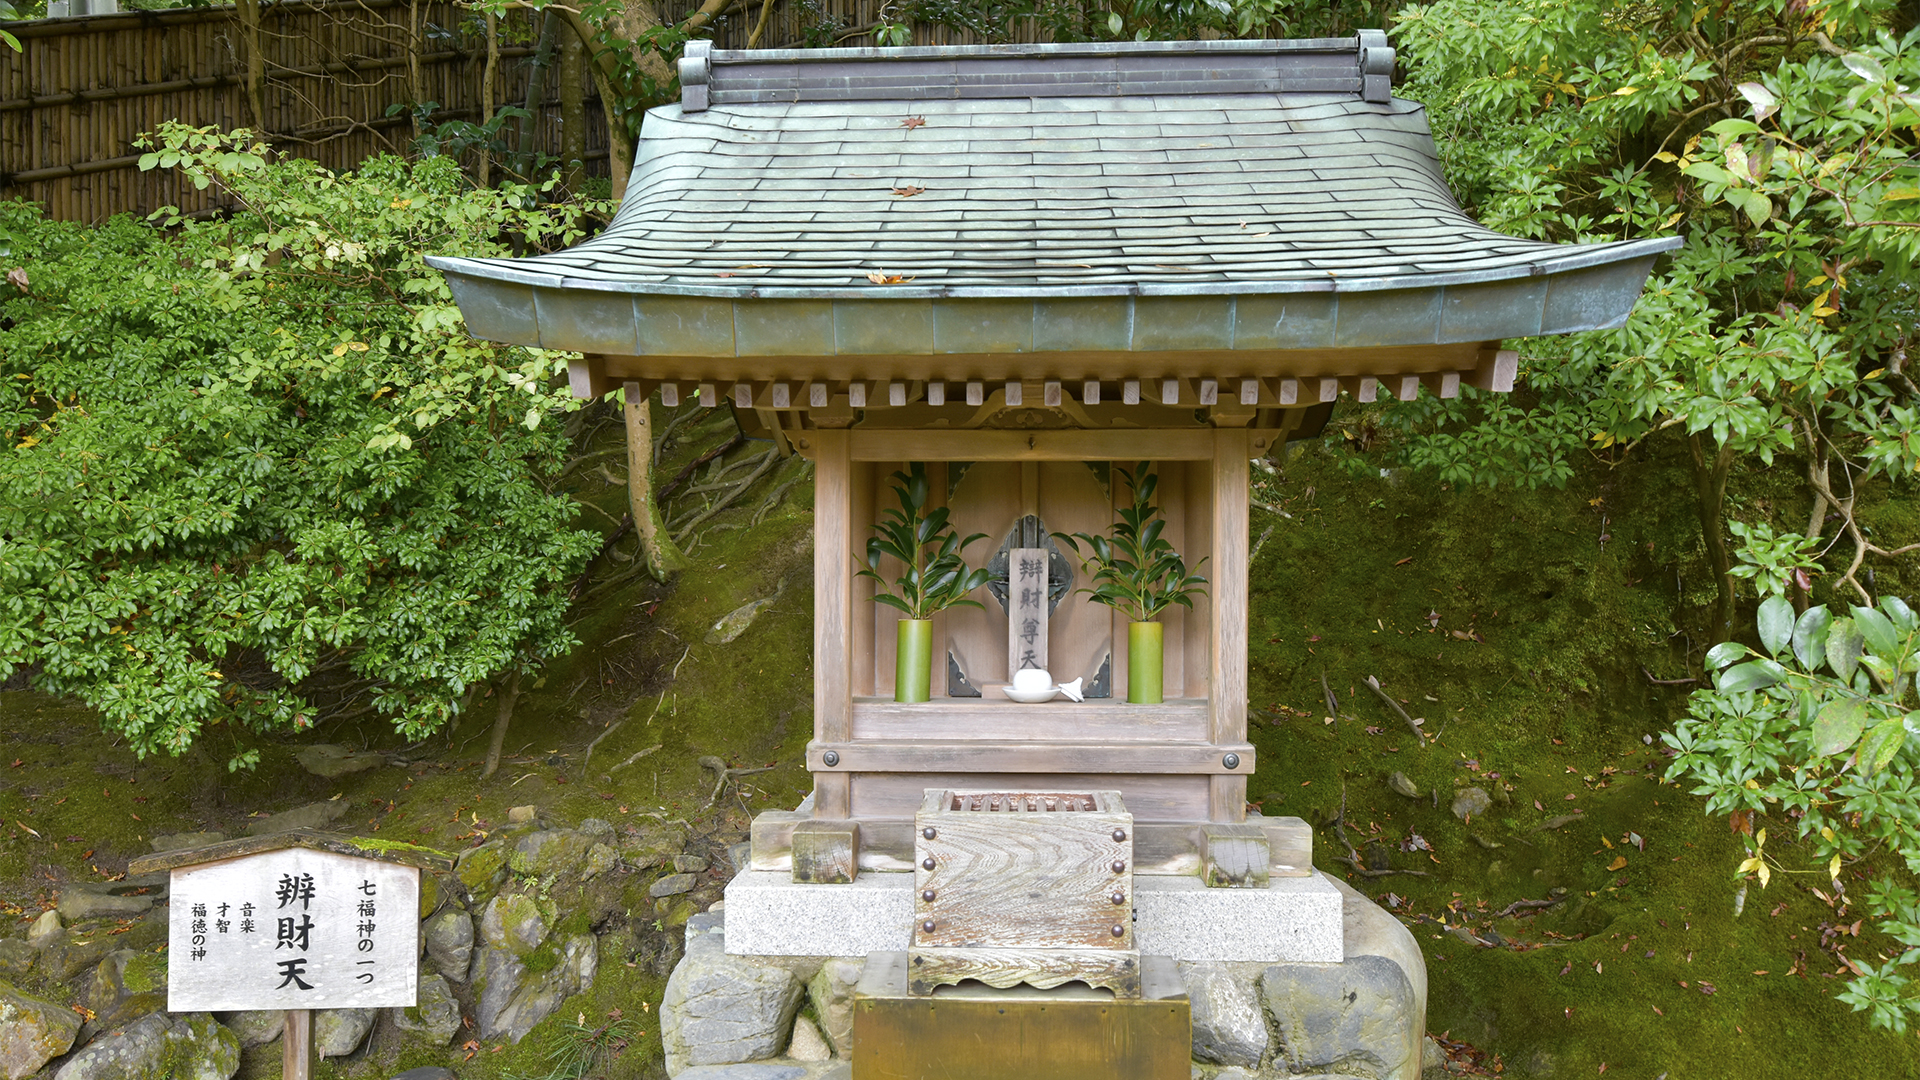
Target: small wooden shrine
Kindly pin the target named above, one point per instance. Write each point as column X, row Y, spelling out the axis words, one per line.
column 1024, row 267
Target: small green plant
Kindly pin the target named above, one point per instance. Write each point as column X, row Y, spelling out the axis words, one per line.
column 582, row 1051
column 1770, row 560
column 937, row 576
column 1135, row 568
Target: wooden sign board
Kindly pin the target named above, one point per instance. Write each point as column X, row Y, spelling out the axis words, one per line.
column 293, row 929
column 1026, row 610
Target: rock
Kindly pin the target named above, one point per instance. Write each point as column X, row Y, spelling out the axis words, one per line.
column 806, row 1044
column 1431, row 1056
column 1471, row 802
column 450, row 943
column 600, row 859
column 735, row 622
column 1403, row 784
column 32, row 1033
column 831, row 991
column 339, row 1032
column 550, row 852
column 520, row 815
column 428, row 1072
column 1350, row 1017
column 707, row 922
column 511, row 996
column 482, row 868
column 671, row 885
column 159, row 1046
column 185, row 840
column 689, row 864
column 128, row 897
column 654, row 847
column 744, row 1071
column 514, row 923
column 127, row 985
column 66, row 957
column 1228, row 1026
column 434, row 1015
column 44, row 929
column 598, row 828
column 311, row 816
column 255, row 1027
column 1233, row 1073
column 16, row 957
column 332, row 761
column 430, row 894
column 720, row 1009
column 738, row 855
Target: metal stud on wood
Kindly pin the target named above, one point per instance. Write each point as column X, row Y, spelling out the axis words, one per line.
column 782, row 395
column 708, row 396
column 1013, row 393
column 670, row 394
column 857, row 395
column 1130, row 392
column 896, row 394
column 1369, row 390
column 743, row 395
column 936, row 393
column 976, row 392
column 1169, row 391
column 1289, row 391
column 1090, row 392
column 1209, row 392
column 1050, row 395
column 1329, row 390
column 818, row 394
column 1249, row 391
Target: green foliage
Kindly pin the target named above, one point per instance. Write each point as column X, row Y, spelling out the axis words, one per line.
column 580, row 1051
column 1135, row 568
column 257, row 472
column 1816, row 729
column 935, row 576
column 1771, row 561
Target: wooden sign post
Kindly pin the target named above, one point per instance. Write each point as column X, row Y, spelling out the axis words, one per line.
column 295, row 921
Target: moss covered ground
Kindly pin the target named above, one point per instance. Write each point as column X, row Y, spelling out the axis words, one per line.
column 1523, row 629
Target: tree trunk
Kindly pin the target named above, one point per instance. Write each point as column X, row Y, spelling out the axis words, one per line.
column 573, row 112
column 415, row 92
column 502, row 719
column 1710, row 469
column 656, row 544
column 255, row 75
column 536, row 94
column 1819, row 465
column 486, row 97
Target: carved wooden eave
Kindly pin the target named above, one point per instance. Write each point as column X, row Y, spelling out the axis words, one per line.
column 1160, row 221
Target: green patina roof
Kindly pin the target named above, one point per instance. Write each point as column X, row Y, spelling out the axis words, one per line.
column 1051, row 173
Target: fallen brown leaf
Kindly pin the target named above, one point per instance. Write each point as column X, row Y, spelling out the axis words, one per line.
column 908, row 191
column 912, row 122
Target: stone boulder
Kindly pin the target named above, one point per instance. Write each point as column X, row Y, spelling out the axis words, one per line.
column 44, row 929
column 434, row 1016
column 158, row 1046
column 17, row 958
column 255, row 1027
column 1347, row 1018
column 482, row 868
column 514, row 923
column 722, row 1010
column 551, row 853
column 1229, row 1027
column 831, row 991
column 123, row 899
column 339, row 1032
column 32, row 1033
column 450, row 943
column 311, row 816
column 126, row 986
column 512, row 993
column 331, row 761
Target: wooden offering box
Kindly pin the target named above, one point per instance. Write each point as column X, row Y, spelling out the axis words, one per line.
column 1023, row 887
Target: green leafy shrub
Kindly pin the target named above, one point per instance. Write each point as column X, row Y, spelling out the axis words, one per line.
column 256, row 471
column 1819, row 730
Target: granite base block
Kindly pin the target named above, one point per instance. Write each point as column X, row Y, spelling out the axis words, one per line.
column 1293, row 919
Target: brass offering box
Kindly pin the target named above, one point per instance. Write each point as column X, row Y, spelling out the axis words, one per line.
column 1027, row 887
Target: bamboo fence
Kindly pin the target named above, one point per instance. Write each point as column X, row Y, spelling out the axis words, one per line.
column 320, row 84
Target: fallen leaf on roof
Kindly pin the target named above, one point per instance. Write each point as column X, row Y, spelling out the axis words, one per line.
column 912, row 122
column 908, row 191
column 881, row 277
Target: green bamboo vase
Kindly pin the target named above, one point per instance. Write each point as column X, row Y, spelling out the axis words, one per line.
column 1146, row 656
column 913, row 661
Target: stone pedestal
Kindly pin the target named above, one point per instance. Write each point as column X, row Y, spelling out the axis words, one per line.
column 1358, row 1013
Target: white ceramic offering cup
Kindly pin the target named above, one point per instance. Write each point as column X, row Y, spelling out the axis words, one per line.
column 1032, row 680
